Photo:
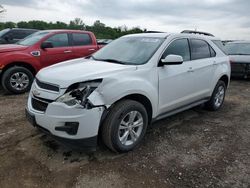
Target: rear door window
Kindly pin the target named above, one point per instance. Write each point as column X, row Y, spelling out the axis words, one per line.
column 81, row 39
column 200, row 49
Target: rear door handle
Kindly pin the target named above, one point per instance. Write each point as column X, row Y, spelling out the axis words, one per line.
column 190, row 69
column 67, row 51
column 92, row 49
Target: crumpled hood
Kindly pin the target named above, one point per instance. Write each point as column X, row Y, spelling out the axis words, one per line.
column 80, row 70
column 11, row 48
column 240, row 58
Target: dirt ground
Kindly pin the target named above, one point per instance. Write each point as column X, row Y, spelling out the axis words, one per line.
column 195, row 148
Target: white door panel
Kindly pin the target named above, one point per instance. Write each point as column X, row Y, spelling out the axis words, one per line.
column 203, row 75
column 176, row 86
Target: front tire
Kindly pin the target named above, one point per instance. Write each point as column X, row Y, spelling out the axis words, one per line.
column 17, row 80
column 217, row 99
column 125, row 126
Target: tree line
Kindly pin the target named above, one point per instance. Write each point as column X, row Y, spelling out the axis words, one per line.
column 98, row 28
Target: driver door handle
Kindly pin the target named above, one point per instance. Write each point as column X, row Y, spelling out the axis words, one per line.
column 190, row 69
column 67, row 51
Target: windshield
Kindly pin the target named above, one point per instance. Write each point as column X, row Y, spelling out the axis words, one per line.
column 3, row 32
column 32, row 39
column 129, row 50
column 238, row 48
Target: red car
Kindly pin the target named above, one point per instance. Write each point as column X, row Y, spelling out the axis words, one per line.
column 21, row 61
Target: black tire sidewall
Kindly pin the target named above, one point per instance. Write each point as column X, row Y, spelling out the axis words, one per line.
column 7, row 75
column 116, row 122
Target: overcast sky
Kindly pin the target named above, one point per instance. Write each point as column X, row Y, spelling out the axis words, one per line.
column 227, row 19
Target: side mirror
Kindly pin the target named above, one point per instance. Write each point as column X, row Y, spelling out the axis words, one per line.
column 46, row 45
column 172, row 60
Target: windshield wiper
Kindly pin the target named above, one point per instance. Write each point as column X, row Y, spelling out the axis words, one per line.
column 239, row 54
column 90, row 56
column 112, row 61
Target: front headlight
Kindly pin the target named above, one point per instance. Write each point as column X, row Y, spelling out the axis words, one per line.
column 78, row 93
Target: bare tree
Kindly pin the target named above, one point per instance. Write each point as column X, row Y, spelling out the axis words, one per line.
column 2, row 9
column 78, row 21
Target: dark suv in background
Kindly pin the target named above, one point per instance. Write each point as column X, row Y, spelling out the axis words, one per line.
column 239, row 53
column 11, row 36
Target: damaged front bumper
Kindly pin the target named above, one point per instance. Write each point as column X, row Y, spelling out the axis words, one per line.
column 73, row 126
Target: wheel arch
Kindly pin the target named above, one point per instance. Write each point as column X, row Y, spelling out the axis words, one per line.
column 21, row 64
column 144, row 101
column 136, row 97
column 225, row 79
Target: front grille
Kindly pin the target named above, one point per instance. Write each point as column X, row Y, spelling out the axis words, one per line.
column 40, row 104
column 47, row 86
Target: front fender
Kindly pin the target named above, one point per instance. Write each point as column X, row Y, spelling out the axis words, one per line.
column 20, row 57
column 112, row 90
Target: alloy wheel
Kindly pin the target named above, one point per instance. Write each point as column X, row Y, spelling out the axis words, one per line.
column 219, row 96
column 130, row 128
column 19, row 81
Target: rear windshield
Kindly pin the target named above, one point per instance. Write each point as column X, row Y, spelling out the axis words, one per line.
column 238, row 48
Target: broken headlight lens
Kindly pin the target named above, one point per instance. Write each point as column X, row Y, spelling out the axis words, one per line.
column 80, row 94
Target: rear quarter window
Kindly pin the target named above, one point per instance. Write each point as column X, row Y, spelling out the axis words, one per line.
column 220, row 45
column 212, row 52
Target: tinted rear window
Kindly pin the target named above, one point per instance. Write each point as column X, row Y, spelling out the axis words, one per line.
column 81, row 39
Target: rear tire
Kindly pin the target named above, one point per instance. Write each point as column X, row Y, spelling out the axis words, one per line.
column 17, row 80
column 125, row 126
column 217, row 99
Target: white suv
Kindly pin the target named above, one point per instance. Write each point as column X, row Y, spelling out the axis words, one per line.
column 135, row 80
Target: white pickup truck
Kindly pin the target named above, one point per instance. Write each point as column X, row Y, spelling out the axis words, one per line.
column 135, row 80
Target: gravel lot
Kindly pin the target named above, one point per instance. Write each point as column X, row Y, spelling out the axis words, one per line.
column 195, row 148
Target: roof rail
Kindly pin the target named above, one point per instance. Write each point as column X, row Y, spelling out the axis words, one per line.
column 197, row 32
column 154, row 32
